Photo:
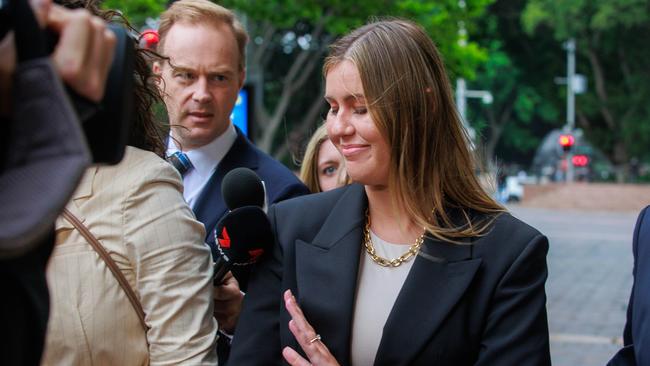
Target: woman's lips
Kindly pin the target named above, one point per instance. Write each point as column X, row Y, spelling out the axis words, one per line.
column 353, row 149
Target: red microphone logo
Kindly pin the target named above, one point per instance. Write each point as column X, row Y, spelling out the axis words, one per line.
column 225, row 241
column 255, row 253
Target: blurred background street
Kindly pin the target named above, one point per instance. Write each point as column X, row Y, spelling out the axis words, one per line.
column 590, row 231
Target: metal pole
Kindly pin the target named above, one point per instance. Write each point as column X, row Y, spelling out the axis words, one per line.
column 570, row 74
column 570, row 101
column 460, row 98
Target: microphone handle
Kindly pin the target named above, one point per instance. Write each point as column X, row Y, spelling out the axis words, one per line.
column 221, row 267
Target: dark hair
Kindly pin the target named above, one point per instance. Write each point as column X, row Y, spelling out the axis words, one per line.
column 145, row 132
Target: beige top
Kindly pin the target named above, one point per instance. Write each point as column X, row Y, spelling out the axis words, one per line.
column 136, row 210
column 377, row 290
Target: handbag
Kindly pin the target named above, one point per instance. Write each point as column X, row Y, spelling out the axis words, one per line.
column 92, row 240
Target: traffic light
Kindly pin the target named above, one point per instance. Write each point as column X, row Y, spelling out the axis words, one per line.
column 566, row 141
column 580, row 160
column 149, row 39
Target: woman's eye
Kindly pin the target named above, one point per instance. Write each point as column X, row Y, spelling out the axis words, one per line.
column 333, row 111
column 330, row 170
column 361, row 110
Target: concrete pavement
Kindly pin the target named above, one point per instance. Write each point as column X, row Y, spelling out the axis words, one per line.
column 590, row 277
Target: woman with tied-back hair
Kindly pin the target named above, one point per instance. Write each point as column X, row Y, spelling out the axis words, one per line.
column 413, row 264
column 137, row 212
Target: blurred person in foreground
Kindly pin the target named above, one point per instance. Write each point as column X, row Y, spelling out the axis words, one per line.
column 413, row 264
column 137, row 212
column 43, row 154
column 205, row 67
column 636, row 335
column 323, row 167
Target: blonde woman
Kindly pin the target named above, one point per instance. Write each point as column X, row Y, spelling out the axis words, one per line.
column 323, row 167
column 414, row 264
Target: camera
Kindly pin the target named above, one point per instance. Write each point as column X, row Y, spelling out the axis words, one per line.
column 106, row 124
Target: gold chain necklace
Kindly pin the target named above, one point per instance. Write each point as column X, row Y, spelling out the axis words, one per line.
column 384, row 262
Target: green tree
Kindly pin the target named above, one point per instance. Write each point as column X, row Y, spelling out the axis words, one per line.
column 519, row 73
column 136, row 11
column 611, row 37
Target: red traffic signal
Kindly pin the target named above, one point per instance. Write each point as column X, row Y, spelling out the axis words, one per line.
column 580, row 160
column 149, row 39
column 566, row 141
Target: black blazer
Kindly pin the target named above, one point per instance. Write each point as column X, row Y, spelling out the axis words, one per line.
column 481, row 303
column 636, row 336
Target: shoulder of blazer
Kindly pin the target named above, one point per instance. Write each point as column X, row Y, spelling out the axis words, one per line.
column 506, row 239
column 322, row 216
column 321, row 203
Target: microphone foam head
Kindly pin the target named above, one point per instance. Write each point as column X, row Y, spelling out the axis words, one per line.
column 242, row 187
column 243, row 235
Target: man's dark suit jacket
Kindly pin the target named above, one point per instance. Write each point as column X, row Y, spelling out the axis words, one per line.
column 636, row 336
column 210, row 207
column 279, row 181
column 477, row 303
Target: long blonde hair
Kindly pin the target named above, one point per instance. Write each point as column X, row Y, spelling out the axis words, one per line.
column 411, row 102
column 309, row 165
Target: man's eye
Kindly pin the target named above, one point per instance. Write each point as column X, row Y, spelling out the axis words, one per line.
column 330, row 170
column 184, row 76
column 219, row 78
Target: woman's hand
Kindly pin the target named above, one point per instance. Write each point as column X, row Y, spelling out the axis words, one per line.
column 306, row 336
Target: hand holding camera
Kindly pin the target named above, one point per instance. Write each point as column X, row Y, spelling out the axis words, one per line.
column 82, row 56
column 84, row 52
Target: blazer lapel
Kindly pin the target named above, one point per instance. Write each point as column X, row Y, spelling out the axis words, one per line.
column 439, row 277
column 326, row 272
column 210, row 206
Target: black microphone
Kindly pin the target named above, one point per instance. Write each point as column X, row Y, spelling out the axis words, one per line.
column 242, row 236
column 242, row 187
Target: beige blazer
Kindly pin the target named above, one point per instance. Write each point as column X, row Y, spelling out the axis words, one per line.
column 137, row 211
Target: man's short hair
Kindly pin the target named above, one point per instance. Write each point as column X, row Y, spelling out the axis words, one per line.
column 203, row 11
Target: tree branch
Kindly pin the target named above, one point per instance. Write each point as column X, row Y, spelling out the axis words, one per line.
column 304, row 127
column 601, row 92
column 268, row 30
column 290, row 87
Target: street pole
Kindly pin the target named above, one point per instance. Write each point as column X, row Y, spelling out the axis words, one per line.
column 461, row 103
column 570, row 46
column 460, row 99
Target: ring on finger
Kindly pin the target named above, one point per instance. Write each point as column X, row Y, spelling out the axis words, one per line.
column 316, row 338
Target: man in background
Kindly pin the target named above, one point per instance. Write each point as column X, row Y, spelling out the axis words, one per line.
column 205, row 45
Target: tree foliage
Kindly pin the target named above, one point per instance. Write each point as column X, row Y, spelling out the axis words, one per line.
column 136, row 11
column 511, row 47
column 519, row 73
column 611, row 37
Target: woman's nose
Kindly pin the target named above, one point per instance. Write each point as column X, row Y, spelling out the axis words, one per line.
column 339, row 126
